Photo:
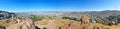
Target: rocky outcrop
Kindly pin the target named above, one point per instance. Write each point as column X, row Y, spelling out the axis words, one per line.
column 23, row 24
column 54, row 24
column 75, row 25
column 28, row 24
column 51, row 23
column 85, row 19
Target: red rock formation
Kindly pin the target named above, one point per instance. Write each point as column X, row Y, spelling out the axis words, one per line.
column 38, row 24
column 26, row 24
column 75, row 25
column 85, row 19
column 65, row 27
column 51, row 25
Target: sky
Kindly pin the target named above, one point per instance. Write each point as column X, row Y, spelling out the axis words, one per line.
column 58, row 5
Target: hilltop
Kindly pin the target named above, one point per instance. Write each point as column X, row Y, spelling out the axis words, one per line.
column 64, row 20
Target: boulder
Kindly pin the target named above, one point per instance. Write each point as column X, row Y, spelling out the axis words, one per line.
column 64, row 27
column 38, row 24
column 85, row 19
column 28, row 24
column 75, row 25
column 51, row 25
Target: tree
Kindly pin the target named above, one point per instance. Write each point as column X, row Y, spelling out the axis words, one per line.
column 36, row 18
column 71, row 18
column 64, row 17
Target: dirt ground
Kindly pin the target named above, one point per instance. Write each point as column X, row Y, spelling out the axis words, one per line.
column 61, row 22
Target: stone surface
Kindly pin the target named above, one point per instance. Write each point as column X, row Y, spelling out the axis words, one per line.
column 75, row 25
column 26, row 24
column 51, row 25
column 65, row 27
column 38, row 24
column 85, row 19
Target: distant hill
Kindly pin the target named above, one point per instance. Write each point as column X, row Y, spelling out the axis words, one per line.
column 5, row 14
column 92, row 14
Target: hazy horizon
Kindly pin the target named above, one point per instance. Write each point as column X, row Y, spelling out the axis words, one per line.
column 60, row 11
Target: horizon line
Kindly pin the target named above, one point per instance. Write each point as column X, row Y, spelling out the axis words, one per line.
column 60, row 11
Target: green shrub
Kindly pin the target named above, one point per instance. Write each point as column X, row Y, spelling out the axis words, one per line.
column 36, row 18
column 71, row 18
column 64, row 17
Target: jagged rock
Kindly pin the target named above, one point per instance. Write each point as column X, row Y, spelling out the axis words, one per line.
column 64, row 27
column 85, row 19
column 75, row 25
column 24, row 24
column 51, row 25
column 38, row 24
column 28, row 24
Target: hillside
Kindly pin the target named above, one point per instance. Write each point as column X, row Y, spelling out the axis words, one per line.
column 63, row 20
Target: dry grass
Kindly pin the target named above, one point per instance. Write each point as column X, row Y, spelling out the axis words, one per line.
column 61, row 22
column 104, row 26
column 6, row 23
column 3, row 23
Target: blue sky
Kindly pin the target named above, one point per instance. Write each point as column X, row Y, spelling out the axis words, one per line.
column 58, row 5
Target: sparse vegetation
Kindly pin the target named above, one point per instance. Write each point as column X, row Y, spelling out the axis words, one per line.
column 71, row 18
column 37, row 18
column 110, row 22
